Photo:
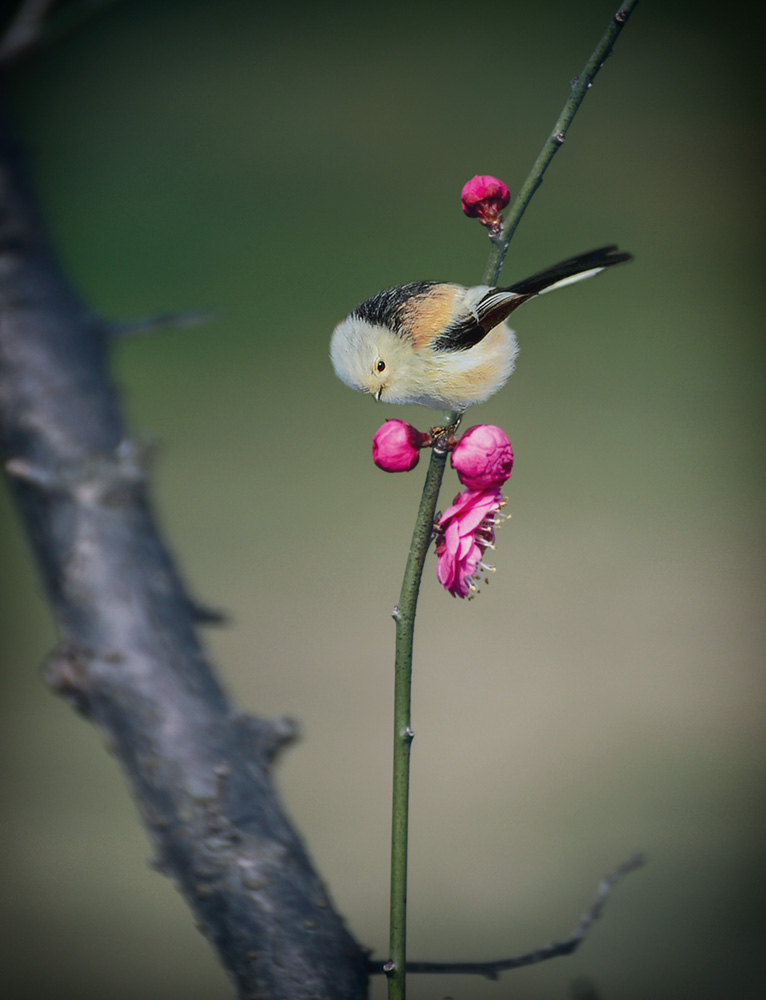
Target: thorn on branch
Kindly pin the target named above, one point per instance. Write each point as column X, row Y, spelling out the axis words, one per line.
column 152, row 324
column 205, row 615
column 159, row 866
column 134, row 456
column 266, row 738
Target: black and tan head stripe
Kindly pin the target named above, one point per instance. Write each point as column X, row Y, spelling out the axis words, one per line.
column 388, row 308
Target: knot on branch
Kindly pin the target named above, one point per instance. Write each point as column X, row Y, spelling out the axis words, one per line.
column 263, row 739
column 98, row 480
column 66, row 673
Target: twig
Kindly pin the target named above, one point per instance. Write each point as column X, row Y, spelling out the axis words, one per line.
column 492, row 970
column 36, row 24
column 580, row 87
column 25, row 29
column 151, row 324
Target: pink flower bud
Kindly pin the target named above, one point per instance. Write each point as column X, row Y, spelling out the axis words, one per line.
column 396, row 446
column 483, row 457
column 484, row 197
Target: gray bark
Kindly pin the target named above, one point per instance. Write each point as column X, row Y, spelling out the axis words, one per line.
column 128, row 657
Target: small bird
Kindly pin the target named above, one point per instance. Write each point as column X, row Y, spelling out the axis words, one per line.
column 443, row 345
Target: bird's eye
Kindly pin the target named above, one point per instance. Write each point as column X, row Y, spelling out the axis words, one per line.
column 380, row 365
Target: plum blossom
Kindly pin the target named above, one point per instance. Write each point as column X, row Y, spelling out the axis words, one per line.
column 466, row 530
column 484, row 197
column 483, row 457
column 396, row 446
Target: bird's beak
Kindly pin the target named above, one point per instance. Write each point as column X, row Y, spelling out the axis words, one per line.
column 378, row 394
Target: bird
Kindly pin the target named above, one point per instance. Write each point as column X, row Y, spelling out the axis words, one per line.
column 444, row 345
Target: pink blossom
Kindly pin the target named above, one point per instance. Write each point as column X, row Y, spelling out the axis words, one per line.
column 484, row 197
column 483, row 457
column 396, row 446
column 467, row 529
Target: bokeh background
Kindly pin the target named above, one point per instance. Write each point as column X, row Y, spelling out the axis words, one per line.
column 280, row 163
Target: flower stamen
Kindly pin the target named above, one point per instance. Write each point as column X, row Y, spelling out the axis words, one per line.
column 465, row 531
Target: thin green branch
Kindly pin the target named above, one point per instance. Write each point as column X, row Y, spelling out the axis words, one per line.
column 404, row 616
column 580, row 87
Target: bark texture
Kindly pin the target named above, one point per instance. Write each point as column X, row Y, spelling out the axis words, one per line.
column 129, row 657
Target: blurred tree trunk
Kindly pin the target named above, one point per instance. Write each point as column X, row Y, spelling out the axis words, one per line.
column 128, row 656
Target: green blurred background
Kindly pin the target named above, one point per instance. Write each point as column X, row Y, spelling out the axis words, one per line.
column 605, row 692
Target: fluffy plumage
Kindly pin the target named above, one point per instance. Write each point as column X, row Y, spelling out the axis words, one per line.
column 443, row 345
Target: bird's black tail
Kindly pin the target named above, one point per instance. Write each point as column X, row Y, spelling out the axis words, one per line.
column 569, row 271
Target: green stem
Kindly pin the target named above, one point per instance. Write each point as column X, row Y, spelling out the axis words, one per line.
column 404, row 616
column 554, row 142
column 404, row 613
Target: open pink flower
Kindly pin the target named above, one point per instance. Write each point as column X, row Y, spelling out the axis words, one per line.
column 484, row 197
column 467, row 529
column 483, row 457
column 396, row 446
